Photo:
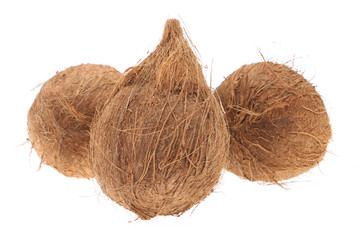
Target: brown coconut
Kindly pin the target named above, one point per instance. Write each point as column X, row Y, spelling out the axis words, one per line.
column 278, row 123
column 59, row 118
column 160, row 144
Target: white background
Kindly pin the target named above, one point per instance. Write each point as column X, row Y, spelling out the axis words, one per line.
column 39, row 38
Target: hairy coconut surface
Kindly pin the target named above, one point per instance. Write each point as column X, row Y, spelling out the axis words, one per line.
column 278, row 123
column 160, row 144
column 59, row 119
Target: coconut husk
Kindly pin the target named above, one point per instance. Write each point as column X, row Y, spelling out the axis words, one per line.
column 160, row 144
column 278, row 123
column 60, row 117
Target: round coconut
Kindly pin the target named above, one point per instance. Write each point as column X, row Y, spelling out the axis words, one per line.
column 160, row 144
column 60, row 117
column 277, row 121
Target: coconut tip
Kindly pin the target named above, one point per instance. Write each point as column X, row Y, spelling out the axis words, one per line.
column 172, row 29
column 172, row 22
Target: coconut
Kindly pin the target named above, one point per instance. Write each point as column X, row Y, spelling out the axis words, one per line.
column 277, row 121
column 160, row 144
column 60, row 117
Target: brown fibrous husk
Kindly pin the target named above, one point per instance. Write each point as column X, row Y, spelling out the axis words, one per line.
column 160, row 144
column 277, row 121
column 60, row 116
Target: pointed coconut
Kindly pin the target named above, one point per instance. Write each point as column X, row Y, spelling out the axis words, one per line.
column 278, row 123
column 160, row 144
column 59, row 119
